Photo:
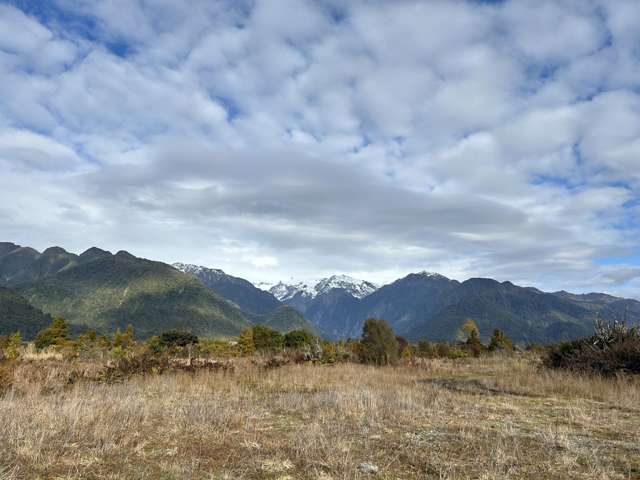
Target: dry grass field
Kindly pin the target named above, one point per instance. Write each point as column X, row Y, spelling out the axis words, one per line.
column 483, row 418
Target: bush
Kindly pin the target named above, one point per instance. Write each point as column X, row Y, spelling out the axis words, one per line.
column 378, row 345
column 245, row 342
column 267, row 339
column 123, row 339
column 298, row 339
column 177, row 338
column 474, row 345
column 614, row 348
column 500, row 342
column 425, row 349
column 12, row 346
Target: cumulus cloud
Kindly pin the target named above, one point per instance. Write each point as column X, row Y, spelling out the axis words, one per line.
column 299, row 138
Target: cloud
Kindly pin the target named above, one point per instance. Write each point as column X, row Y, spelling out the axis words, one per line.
column 308, row 138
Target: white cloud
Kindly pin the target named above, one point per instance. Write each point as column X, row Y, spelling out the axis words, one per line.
column 468, row 138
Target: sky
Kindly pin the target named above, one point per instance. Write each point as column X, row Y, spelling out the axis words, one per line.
column 299, row 138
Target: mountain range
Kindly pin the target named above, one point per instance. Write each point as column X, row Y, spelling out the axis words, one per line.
column 429, row 305
column 105, row 291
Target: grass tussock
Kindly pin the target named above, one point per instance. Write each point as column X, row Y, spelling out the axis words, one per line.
column 492, row 417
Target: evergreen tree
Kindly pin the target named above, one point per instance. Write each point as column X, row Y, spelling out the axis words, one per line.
column 55, row 334
column 378, row 344
column 245, row 342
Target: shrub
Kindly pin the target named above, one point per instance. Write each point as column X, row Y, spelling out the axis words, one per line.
column 267, row 339
column 245, row 342
column 378, row 345
column 473, row 343
column 217, row 348
column 613, row 348
column 425, row 349
column 177, row 338
column 500, row 342
column 13, row 344
column 56, row 334
column 123, row 339
column 329, row 352
column 298, row 339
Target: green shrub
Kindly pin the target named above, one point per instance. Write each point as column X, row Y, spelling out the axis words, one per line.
column 267, row 339
column 177, row 338
column 474, row 345
column 298, row 339
column 378, row 345
column 425, row 349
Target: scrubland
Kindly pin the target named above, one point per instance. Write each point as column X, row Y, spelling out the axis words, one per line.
column 489, row 417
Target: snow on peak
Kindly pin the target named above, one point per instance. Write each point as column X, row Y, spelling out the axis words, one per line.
column 198, row 270
column 425, row 273
column 283, row 291
column 357, row 288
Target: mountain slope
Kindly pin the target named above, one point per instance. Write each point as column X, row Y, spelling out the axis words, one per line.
column 258, row 305
column 112, row 291
column 243, row 293
column 16, row 314
column 523, row 314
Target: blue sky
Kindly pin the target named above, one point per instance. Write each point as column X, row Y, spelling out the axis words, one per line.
column 294, row 138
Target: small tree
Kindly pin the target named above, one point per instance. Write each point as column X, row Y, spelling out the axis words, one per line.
column 245, row 342
column 55, row 334
column 267, row 339
column 467, row 329
column 379, row 344
column 499, row 341
column 474, row 345
column 298, row 339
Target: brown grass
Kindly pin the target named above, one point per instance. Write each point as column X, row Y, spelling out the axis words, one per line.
column 478, row 418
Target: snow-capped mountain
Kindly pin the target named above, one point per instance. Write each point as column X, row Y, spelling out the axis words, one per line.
column 309, row 290
column 284, row 292
column 203, row 273
column 357, row 288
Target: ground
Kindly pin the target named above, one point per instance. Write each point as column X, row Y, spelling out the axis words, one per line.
column 497, row 417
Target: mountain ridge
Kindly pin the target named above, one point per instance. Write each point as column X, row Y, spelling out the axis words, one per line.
column 98, row 289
